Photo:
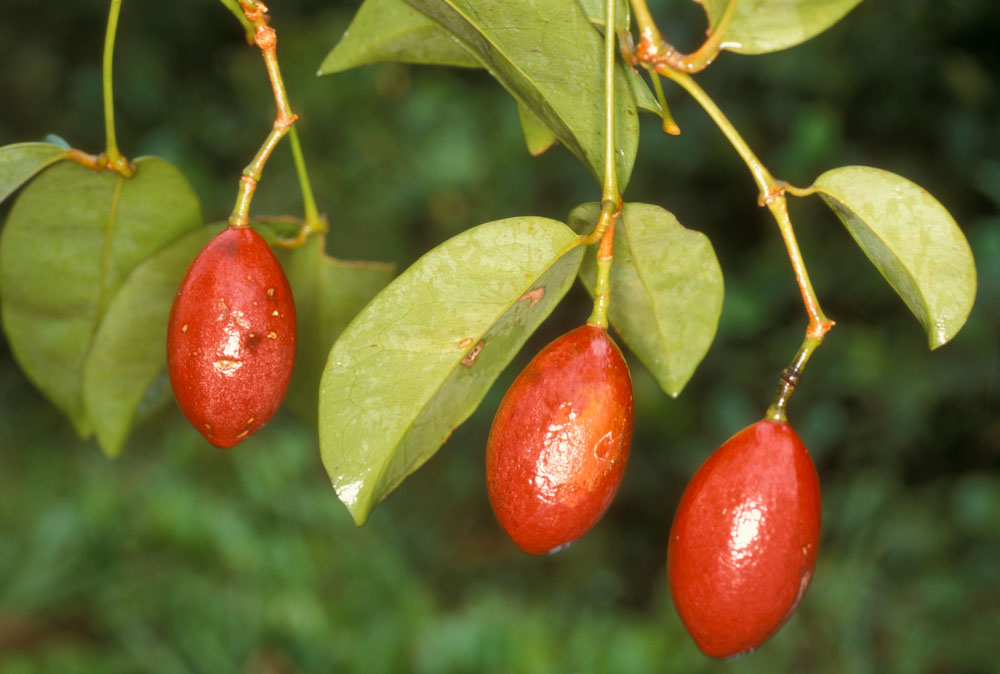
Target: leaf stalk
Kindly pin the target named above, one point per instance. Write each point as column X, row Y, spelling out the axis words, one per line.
column 112, row 157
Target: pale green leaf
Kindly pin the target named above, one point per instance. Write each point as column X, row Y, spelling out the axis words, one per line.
column 129, row 346
column 391, row 30
column 417, row 361
column 328, row 294
column 71, row 238
column 761, row 26
column 20, row 161
column 537, row 136
column 548, row 55
column 912, row 240
column 666, row 289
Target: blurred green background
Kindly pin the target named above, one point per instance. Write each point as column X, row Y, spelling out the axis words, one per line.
column 179, row 557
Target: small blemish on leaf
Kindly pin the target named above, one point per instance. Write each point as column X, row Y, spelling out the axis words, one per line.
column 470, row 357
column 534, row 295
column 465, row 342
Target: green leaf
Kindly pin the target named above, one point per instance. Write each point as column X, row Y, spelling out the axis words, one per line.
column 537, row 136
column 71, row 239
column 129, row 347
column 328, row 294
column 666, row 289
column 391, row 30
column 551, row 59
column 761, row 26
column 20, row 161
column 417, row 361
column 912, row 240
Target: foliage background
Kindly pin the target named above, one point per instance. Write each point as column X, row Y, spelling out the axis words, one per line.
column 181, row 558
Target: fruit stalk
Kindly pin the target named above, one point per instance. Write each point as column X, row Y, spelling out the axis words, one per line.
column 266, row 39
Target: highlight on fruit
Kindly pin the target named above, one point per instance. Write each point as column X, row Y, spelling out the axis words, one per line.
column 231, row 337
column 560, row 440
column 744, row 539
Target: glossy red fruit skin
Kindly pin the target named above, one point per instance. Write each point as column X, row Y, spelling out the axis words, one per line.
column 744, row 539
column 231, row 337
column 560, row 441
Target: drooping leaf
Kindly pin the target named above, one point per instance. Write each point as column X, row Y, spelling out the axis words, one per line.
column 666, row 289
column 417, row 361
column 72, row 237
column 391, row 30
column 911, row 239
column 328, row 294
column 20, row 161
column 551, row 59
column 537, row 136
column 129, row 347
column 761, row 26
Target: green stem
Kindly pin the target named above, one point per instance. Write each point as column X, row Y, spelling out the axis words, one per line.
column 267, row 41
column 772, row 195
column 609, row 191
column 314, row 221
column 112, row 156
column 610, row 196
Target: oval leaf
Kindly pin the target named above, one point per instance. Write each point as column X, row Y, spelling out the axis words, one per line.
column 129, row 347
column 20, row 161
column 761, row 26
column 666, row 289
column 328, row 294
column 550, row 57
column 417, row 361
column 391, row 30
column 72, row 237
column 912, row 240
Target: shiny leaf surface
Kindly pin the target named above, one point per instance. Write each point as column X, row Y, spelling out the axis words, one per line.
column 417, row 361
column 911, row 239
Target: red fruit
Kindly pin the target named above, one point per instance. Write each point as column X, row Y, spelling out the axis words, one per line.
column 560, row 440
column 744, row 539
column 231, row 337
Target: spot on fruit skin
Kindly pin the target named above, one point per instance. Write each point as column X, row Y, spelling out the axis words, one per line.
column 225, row 362
column 560, row 440
column 744, row 539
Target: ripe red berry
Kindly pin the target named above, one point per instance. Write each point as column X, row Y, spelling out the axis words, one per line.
column 231, row 337
column 560, row 440
column 744, row 539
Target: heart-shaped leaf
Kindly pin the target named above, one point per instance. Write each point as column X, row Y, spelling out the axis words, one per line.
column 761, row 26
column 20, row 161
column 391, row 30
column 72, row 237
column 551, row 59
column 417, row 361
column 328, row 294
column 129, row 348
column 666, row 289
column 912, row 240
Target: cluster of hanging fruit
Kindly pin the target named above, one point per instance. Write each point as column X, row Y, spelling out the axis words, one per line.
column 745, row 535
